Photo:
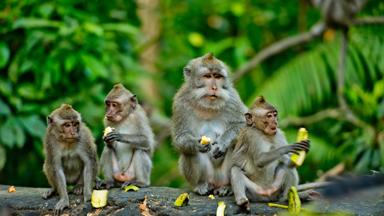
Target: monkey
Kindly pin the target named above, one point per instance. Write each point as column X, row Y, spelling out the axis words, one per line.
column 261, row 167
column 70, row 156
column 126, row 157
column 339, row 13
column 206, row 105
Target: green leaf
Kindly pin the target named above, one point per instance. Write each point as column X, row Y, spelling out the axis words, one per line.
column 4, row 54
column 97, row 69
column 34, row 125
column 4, row 108
column 3, row 157
column 7, row 134
column 35, row 23
column 93, row 28
column 121, row 27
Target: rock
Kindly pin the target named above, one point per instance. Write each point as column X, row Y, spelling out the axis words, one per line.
column 29, row 201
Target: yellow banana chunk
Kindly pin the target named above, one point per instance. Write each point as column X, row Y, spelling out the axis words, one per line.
column 99, row 198
column 220, row 208
column 182, row 200
column 130, row 188
column 298, row 159
column 294, row 203
column 107, row 130
column 205, row 140
column 211, row 196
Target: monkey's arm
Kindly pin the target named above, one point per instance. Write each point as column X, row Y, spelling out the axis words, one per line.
column 264, row 158
column 138, row 141
column 227, row 137
column 183, row 138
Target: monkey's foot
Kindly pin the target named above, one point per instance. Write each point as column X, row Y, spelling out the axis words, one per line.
column 244, row 204
column 61, row 205
column 203, row 189
column 309, row 195
column 269, row 191
column 136, row 183
column 49, row 193
column 223, row 191
column 78, row 189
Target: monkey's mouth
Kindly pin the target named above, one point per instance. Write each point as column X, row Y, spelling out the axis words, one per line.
column 212, row 97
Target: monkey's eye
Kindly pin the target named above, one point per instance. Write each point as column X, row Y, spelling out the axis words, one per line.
column 67, row 125
column 76, row 124
column 207, row 76
column 114, row 105
column 218, row 76
column 270, row 115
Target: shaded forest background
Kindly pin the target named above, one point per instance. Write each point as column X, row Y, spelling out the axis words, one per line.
column 73, row 51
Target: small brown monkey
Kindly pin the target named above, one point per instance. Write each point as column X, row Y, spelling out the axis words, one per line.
column 70, row 156
column 262, row 169
column 206, row 105
column 126, row 158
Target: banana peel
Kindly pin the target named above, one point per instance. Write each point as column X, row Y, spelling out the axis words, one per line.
column 99, row 198
column 294, row 203
column 220, row 208
column 131, row 188
column 211, row 196
column 182, row 200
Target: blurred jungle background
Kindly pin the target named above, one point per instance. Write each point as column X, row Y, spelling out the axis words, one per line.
column 73, row 51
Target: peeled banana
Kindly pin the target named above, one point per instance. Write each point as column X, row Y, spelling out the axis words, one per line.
column 99, row 198
column 205, row 140
column 298, row 159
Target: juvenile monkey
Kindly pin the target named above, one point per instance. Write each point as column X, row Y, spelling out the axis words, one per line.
column 206, row 105
column 126, row 158
column 262, row 169
column 70, row 156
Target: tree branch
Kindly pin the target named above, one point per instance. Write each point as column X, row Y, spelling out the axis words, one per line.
column 324, row 114
column 279, row 47
column 368, row 21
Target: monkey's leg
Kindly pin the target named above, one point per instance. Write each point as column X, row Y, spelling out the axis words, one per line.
column 49, row 173
column 107, row 169
column 198, row 171
column 142, row 166
column 222, row 178
column 239, row 187
column 62, row 190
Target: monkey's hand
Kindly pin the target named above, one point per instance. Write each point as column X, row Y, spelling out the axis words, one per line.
column 203, row 148
column 111, row 137
column 300, row 146
column 218, row 150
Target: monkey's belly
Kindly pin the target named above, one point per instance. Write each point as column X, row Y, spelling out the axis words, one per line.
column 73, row 168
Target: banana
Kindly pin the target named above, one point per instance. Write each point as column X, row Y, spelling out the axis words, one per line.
column 99, row 198
column 298, row 159
column 205, row 140
column 182, row 200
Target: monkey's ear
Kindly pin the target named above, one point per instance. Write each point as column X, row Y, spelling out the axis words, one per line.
column 248, row 118
column 187, row 71
column 133, row 100
column 49, row 120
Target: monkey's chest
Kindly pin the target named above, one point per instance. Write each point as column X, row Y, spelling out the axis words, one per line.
column 212, row 129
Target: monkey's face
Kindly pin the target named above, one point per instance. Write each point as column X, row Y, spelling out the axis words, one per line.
column 118, row 109
column 264, row 120
column 211, row 90
column 70, row 130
